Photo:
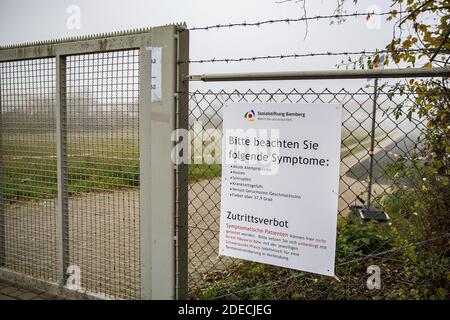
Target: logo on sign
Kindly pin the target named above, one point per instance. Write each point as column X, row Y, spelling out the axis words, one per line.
column 250, row 115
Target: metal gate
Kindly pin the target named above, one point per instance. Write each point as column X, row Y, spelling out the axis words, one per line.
column 87, row 202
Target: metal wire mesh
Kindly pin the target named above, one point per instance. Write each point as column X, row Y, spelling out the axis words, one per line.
column 394, row 137
column 103, row 171
column 28, row 175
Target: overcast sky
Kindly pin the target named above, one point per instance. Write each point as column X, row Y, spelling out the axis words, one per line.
column 30, row 20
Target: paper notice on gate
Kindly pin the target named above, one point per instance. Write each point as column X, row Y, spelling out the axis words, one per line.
column 280, row 181
column 156, row 74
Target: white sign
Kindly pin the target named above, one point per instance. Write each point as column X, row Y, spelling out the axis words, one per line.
column 156, row 74
column 280, row 184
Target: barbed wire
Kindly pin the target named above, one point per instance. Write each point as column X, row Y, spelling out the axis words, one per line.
column 418, row 243
column 312, row 18
column 304, row 55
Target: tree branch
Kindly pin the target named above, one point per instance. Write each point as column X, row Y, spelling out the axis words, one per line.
column 444, row 41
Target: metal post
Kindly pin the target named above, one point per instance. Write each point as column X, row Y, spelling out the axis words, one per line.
column 181, row 179
column 157, row 176
column 2, row 208
column 372, row 143
column 61, row 154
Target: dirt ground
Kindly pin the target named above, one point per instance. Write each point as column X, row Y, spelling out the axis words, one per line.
column 103, row 241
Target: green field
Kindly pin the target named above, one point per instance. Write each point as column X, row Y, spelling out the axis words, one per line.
column 96, row 161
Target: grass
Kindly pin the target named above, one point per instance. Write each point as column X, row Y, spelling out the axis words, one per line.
column 204, row 171
column 96, row 161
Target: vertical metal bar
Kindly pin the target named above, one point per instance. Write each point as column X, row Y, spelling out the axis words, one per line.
column 144, row 172
column 157, row 199
column 2, row 207
column 372, row 144
column 61, row 154
column 181, row 181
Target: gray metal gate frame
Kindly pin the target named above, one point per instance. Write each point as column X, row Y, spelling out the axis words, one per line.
column 163, row 187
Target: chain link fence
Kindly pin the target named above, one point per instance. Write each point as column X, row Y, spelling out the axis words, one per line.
column 396, row 135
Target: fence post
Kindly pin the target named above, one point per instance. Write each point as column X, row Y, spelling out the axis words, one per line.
column 372, row 143
column 157, row 176
column 181, row 181
column 61, row 154
column 2, row 208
